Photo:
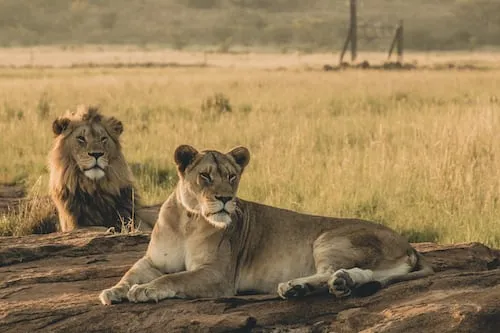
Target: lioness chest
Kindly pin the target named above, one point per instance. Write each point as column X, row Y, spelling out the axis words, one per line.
column 168, row 257
column 183, row 245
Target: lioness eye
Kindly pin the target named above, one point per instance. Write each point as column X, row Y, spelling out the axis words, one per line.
column 231, row 178
column 206, row 177
column 80, row 139
column 104, row 139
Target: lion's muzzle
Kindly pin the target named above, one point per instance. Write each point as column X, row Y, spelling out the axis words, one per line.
column 93, row 167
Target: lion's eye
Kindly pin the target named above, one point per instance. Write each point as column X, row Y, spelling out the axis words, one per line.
column 206, row 177
column 231, row 178
column 104, row 139
column 81, row 139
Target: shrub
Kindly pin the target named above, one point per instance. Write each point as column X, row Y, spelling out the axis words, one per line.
column 217, row 103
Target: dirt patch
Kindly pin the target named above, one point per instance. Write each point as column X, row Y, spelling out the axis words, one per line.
column 50, row 283
column 10, row 196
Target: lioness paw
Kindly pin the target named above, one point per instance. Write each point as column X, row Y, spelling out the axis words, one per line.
column 141, row 293
column 148, row 292
column 112, row 295
column 292, row 289
column 341, row 284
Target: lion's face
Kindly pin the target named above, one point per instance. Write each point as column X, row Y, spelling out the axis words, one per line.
column 90, row 147
column 209, row 181
column 91, row 141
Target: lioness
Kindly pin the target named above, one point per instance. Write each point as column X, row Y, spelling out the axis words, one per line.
column 209, row 243
column 90, row 180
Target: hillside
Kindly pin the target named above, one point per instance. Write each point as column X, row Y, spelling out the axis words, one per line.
column 224, row 24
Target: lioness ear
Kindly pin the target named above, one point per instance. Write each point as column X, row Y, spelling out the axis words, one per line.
column 60, row 125
column 115, row 125
column 241, row 156
column 184, row 155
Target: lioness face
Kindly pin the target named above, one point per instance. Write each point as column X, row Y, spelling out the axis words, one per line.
column 209, row 181
column 92, row 143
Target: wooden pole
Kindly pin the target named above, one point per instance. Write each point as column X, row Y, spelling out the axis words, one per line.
column 397, row 42
column 400, row 42
column 352, row 34
column 393, row 43
column 353, row 31
column 344, row 49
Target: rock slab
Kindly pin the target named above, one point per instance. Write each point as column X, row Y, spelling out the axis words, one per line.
column 50, row 283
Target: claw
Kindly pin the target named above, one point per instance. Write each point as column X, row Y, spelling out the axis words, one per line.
column 341, row 284
column 291, row 290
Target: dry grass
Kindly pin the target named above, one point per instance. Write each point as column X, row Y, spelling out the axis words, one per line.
column 105, row 55
column 35, row 215
column 418, row 151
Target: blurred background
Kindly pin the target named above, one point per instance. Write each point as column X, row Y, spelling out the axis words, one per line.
column 224, row 25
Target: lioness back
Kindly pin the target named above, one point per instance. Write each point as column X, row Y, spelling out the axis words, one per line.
column 209, row 243
column 284, row 242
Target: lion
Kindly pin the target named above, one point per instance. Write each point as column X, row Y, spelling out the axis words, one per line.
column 91, row 183
column 209, row 243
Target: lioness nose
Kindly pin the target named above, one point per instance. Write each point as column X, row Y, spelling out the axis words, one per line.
column 223, row 199
column 96, row 155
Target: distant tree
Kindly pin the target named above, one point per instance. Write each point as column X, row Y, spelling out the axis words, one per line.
column 274, row 5
column 201, row 4
column 108, row 20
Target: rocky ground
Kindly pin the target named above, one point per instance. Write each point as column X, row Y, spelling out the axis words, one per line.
column 50, row 283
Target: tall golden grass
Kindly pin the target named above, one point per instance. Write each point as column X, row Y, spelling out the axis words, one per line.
column 418, row 151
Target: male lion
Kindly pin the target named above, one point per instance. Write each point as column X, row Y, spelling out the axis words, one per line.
column 90, row 181
column 208, row 243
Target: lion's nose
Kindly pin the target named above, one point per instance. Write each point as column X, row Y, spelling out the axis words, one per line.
column 223, row 199
column 96, row 155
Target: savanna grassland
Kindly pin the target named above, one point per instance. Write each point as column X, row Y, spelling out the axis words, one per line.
column 418, row 150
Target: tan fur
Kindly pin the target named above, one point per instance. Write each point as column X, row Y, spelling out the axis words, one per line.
column 203, row 247
column 90, row 180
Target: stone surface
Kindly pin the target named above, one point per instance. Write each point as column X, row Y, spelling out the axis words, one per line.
column 50, row 283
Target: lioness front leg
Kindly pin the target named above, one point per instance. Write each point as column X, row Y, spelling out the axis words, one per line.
column 202, row 282
column 304, row 286
column 142, row 272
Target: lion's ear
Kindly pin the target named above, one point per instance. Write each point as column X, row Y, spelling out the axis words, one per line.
column 60, row 125
column 116, row 126
column 184, row 155
column 241, row 156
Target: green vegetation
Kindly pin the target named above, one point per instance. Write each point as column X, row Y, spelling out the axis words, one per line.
column 224, row 24
column 418, row 151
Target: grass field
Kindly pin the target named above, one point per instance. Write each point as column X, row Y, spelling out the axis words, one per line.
column 96, row 55
column 418, row 151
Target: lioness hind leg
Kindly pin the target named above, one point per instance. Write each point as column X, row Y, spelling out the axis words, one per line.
column 344, row 281
column 330, row 253
column 364, row 281
column 141, row 272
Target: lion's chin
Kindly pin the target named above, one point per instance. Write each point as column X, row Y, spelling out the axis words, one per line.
column 94, row 173
column 219, row 220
